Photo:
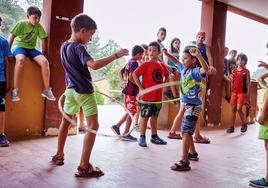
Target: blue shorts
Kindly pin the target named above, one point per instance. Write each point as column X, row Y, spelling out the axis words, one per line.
column 31, row 53
column 190, row 118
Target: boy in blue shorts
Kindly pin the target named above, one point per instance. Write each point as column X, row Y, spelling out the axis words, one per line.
column 191, row 77
column 79, row 90
column 153, row 72
column 24, row 35
column 4, row 85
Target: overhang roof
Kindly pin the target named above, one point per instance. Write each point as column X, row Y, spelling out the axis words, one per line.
column 255, row 8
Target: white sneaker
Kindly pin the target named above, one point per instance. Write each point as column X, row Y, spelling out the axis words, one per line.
column 15, row 95
column 48, row 94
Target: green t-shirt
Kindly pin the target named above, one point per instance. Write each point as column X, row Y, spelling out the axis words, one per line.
column 26, row 34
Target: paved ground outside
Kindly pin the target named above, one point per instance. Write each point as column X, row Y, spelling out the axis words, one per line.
column 229, row 161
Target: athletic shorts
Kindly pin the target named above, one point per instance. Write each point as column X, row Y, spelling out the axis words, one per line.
column 73, row 102
column 31, row 53
column 238, row 98
column 130, row 103
column 148, row 110
column 190, row 118
column 3, row 89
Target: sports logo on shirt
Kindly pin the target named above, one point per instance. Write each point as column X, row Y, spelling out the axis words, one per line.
column 157, row 76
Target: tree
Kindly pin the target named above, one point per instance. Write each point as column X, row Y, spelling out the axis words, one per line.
column 110, row 72
column 11, row 13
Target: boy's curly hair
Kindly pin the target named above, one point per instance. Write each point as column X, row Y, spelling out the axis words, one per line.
column 34, row 10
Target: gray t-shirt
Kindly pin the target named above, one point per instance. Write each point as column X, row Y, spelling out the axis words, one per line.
column 74, row 59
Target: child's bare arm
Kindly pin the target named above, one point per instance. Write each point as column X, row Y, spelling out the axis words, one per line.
column 263, row 112
column 137, row 81
column 262, row 81
column 204, row 66
column 263, row 64
column 170, row 56
column 122, row 81
column 44, row 46
column 11, row 39
column 105, row 61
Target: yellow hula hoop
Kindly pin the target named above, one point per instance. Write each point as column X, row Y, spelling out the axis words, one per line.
column 92, row 130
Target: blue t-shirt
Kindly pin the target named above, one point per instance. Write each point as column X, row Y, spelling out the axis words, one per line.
column 74, row 58
column 190, row 85
column 4, row 51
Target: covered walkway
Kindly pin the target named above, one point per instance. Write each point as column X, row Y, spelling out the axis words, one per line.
column 229, row 161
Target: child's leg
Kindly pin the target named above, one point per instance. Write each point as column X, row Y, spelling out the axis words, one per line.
column 43, row 62
column 234, row 109
column 266, row 149
column 89, row 139
column 81, row 118
column 178, row 119
column 143, row 125
column 63, row 132
column 122, row 120
column 136, row 117
column 192, row 147
column 186, row 142
column 20, row 62
column 241, row 113
column 128, row 124
column 153, row 123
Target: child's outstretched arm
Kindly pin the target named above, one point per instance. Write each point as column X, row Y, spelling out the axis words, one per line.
column 263, row 64
column 170, row 56
column 262, row 81
column 97, row 64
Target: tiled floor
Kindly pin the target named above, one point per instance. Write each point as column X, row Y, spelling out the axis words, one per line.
column 229, row 161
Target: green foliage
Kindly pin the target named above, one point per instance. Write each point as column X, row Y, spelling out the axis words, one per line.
column 11, row 13
column 110, row 72
column 38, row 3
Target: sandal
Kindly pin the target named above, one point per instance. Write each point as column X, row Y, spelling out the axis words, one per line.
column 57, row 160
column 202, row 140
column 89, row 172
column 174, row 136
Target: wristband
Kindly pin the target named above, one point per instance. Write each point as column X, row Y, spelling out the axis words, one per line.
column 116, row 56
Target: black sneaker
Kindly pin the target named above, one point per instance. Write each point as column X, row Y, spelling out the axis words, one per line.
column 244, row 128
column 181, row 166
column 230, row 130
column 4, row 141
column 193, row 157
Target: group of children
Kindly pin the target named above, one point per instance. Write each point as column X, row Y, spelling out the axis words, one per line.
column 23, row 39
column 196, row 65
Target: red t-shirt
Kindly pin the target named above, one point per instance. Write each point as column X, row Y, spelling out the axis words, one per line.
column 240, row 80
column 152, row 73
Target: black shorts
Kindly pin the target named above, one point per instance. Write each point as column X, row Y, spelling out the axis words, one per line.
column 3, row 89
column 148, row 110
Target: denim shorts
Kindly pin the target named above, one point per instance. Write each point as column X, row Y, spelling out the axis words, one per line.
column 190, row 118
column 73, row 102
column 31, row 53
